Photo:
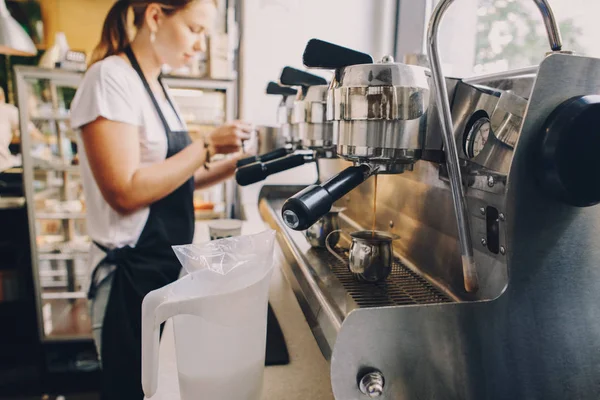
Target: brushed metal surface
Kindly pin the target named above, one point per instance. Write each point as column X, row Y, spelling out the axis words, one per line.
column 533, row 330
column 503, row 109
column 419, row 205
column 379, row 108
column 540, row 338
column 309, row 119
column 383, row 74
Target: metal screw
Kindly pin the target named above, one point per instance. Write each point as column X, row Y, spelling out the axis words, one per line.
column 502, row 250
column 491, row 181
column 483, row 242
column 482, row 211
column 372, row 384
column 502, row 217
column 391, row 224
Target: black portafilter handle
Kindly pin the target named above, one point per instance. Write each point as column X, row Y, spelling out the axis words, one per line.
column 325, row 55
column 310, row 204
column 296, row 77
column 277, row 89
column 271, row 155
column 259, row 171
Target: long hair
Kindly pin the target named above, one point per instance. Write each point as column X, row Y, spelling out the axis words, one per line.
column 115, row 35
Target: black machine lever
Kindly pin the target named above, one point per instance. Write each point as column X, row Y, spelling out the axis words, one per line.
column 325, row 55
column 310, row 204
column 277, row 89
column 296, row 77
column 259, row 171
column 272, row 155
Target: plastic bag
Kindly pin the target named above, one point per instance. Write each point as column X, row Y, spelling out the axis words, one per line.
column 224, row 255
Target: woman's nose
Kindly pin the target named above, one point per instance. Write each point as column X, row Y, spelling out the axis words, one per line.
column 200, row 45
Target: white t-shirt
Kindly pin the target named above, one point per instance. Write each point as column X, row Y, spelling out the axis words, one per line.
column 112, row 89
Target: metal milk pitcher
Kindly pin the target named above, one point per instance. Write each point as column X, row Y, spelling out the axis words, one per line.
column 371, row 254
column 318, row 233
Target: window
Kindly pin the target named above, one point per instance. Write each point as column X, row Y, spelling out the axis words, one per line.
column 485, row 36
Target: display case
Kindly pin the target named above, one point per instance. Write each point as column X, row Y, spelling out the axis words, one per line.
column 54, row 196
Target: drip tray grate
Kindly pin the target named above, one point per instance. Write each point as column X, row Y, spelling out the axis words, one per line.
column 402, row 286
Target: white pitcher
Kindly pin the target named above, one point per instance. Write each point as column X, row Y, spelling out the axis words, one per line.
column 220, row 319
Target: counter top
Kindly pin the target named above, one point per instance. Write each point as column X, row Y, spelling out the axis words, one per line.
column 307, row 374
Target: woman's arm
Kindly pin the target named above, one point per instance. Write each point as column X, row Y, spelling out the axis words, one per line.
column 222, row 170
column 113, row 152
column 218, row 172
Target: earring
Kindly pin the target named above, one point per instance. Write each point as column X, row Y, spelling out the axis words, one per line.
column 152, row 36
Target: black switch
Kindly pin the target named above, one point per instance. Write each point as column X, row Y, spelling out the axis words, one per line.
column 492, row 229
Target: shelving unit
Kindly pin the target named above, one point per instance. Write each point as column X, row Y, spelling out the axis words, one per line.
column 54, row 193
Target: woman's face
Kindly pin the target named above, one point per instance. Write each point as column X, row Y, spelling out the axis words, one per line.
column 183, row 34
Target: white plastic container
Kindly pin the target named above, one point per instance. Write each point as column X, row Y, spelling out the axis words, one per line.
column 224, row 228
column 220, row 319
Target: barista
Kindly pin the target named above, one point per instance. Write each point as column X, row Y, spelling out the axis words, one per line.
column 139, row 170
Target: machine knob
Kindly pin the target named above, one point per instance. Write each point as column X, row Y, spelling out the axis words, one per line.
column 567, row 164
column 372, row 384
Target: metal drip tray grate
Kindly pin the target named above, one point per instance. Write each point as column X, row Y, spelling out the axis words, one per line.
column 402, row 286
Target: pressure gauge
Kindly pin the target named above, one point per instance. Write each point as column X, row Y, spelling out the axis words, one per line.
column 477, row 137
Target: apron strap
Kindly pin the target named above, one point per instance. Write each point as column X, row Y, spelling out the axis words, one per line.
column 112, row 257
column 169, row 100
column 138, row 69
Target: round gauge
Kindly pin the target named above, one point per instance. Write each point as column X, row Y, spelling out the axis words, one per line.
column 477, row 137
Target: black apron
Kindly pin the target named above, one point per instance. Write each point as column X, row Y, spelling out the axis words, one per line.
column 150, row 265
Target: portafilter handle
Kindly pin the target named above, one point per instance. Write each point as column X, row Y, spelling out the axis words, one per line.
column 310, row 204
column 259, row 171
column 271, row 155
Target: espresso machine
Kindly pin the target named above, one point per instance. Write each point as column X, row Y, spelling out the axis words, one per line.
column 281, row 135
column 489, row 184
column 310, row 134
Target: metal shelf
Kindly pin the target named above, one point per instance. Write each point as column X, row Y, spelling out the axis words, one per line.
column 40, row 118
column 46, row 193
column 59, row 215
column 50, row 166
column 64, row 295
column 62, row 256
column 12, row 202
column 199, row 122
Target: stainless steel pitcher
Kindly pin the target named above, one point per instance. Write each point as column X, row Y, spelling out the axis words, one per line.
column 318, row 233
column 371, row 254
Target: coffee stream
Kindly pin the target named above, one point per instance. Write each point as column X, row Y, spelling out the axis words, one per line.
column 374, row 208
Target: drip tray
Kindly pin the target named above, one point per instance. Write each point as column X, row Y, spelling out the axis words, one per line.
column 402, row 286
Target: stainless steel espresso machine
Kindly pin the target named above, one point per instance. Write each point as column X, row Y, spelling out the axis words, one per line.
column 490, row 184
column 310, row 133
column 278, row 141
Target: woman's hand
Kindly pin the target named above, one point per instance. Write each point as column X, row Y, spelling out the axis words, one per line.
column 228, row 138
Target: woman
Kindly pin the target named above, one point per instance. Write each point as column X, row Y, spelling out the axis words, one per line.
column 139, row 169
